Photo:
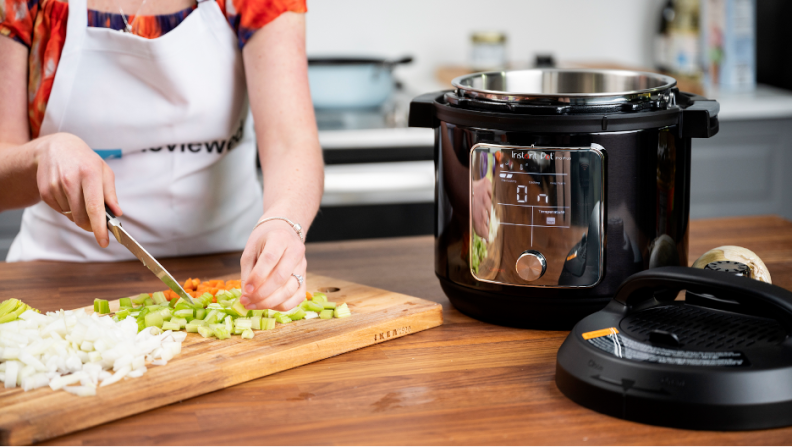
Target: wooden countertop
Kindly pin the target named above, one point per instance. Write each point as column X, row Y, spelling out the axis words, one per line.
column 466, row 382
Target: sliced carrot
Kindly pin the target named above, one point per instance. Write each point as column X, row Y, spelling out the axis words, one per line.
column 195, row 282
column 308, row 295
column 213, row 290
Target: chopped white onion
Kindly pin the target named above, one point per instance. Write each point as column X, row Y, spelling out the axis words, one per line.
column 76, row 351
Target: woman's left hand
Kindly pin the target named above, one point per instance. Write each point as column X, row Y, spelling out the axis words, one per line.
column 273, row 253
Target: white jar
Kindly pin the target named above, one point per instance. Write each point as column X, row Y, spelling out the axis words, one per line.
column 488, row 50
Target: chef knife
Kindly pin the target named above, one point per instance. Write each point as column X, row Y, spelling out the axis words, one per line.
column 114, row 225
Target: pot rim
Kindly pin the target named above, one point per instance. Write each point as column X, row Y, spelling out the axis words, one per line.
column 664, row 83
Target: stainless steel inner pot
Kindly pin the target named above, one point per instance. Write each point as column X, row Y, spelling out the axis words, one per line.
column 564, row 85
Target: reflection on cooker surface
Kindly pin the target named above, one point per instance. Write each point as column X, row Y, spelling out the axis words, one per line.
column 543, row 203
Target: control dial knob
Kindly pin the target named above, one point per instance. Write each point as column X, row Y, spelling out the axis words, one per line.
column 531, row 265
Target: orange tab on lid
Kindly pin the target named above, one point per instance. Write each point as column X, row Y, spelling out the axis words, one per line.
column 600, row 333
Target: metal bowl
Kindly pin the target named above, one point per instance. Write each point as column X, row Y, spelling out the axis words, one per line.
column 587, row 86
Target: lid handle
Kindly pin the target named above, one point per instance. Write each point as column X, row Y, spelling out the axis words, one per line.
column 422, row 110
column 700, row 118
column 750, row 293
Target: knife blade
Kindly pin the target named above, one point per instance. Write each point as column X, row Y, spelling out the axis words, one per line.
column 124, row 238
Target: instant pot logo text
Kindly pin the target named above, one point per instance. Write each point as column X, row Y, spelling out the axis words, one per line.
column 212, row 147
column 539, row 156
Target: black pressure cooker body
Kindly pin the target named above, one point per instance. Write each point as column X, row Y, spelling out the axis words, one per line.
column 554, row 186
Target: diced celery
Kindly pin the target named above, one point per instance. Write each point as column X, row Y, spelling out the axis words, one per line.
column 148, row 302
column 211, row 317
column 239, row 308
column 205, row 331
column 247, row 333
column 258, row 312
column 342, row 311
column 312, row 306
column 244, row 323
column 181, row 322
column 255, row 322
column 200, row 314
column 170, row 326
column 122, row 314
column 125, row 302
column 166, row 313
column 184, row 313
column 267, row 324
column 159, row 297
column 239, row 330
column 225, row 303
column 271, row 313
column 182, row 305
column 192, row 327
column 326, row 314
column 197, row 321
column 221, row 331
column 329, row 305
column 101, row 306
column 214, row 306
column 319, row 297
column 154, row 319
column 299, row 314
column 140, row 298
column 282, row 319
column 141, row 325
column 229, row 323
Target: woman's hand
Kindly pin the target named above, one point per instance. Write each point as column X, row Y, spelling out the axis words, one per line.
column 73, row 180
column 273, row 252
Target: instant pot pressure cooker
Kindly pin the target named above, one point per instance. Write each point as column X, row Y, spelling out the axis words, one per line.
column 554, row 186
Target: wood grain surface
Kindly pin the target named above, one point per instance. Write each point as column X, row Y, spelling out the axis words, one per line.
column 465, row 382
column 208, row 364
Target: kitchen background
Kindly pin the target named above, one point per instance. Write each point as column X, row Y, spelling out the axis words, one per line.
column 380, row 175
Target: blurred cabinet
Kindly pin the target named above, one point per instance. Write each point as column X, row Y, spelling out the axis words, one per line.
column 745, row 169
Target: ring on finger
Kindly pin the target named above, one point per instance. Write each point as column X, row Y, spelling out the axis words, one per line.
column 65, row 213
column 299, row 278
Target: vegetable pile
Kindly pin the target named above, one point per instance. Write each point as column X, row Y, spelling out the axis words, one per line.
column 217, row 312
column 78, row 352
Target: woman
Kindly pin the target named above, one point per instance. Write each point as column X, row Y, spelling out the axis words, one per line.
column 149, row 112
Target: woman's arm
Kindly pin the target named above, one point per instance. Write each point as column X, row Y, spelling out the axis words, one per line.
column 291, row 160
column 59, row 168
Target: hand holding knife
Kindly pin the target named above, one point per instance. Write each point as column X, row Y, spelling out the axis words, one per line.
column 114, row 225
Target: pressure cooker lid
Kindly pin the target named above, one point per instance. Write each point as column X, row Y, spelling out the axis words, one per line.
column 565, row 86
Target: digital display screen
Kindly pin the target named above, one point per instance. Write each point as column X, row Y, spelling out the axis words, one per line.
column 539, row 199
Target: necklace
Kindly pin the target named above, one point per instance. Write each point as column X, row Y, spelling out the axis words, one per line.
column 127, row 24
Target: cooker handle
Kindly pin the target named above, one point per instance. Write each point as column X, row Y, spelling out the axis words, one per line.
column 700, row 117
column 422, row 110
column 761, row 297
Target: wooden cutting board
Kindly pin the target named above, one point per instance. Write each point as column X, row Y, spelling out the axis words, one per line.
column 207, row 365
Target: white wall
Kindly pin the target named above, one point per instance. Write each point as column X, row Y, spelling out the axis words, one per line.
column 436, row 32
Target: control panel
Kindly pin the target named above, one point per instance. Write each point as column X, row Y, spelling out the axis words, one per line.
column 536, row 215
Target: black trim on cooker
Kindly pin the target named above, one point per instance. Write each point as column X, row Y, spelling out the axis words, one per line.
column 697, row 118
column 556, row 123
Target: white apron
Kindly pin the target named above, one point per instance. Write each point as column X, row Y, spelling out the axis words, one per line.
column 170, row 117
